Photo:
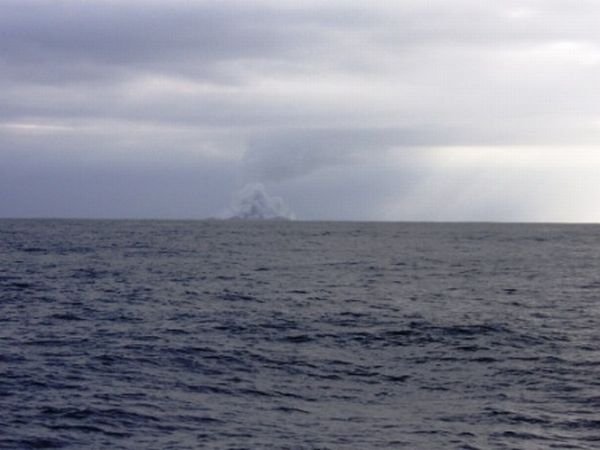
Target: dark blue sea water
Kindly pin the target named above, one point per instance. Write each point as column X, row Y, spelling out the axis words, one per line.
column 290, row 335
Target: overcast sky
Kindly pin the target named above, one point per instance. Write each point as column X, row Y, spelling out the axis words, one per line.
column 387, row 110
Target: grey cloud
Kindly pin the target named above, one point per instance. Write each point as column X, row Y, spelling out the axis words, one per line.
column 46, row 41
column 291, row 153
column 58, row 42
column 287, row 154
column 307, row 97
column 91, row 51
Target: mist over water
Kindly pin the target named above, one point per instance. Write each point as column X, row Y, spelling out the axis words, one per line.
column 253, row 202
column 296, row 335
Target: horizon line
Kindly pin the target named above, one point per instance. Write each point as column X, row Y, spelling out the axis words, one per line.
column 276, row 220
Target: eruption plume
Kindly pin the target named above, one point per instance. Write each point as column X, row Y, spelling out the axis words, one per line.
column 253, row 202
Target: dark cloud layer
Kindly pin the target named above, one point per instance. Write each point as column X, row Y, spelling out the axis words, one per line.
column 83, row 41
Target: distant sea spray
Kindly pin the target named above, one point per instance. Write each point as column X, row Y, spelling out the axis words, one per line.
column 253, row 202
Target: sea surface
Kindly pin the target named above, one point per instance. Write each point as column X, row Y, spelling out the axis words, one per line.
column 292, row 335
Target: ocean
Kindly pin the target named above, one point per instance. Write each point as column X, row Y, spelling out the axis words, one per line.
column 298, row 335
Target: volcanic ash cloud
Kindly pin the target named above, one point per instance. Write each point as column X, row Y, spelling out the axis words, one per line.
column 253, row 202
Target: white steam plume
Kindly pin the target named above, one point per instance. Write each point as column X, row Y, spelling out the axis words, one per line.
column 253, row 202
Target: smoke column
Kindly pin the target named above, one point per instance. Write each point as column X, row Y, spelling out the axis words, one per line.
column 253, row 202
